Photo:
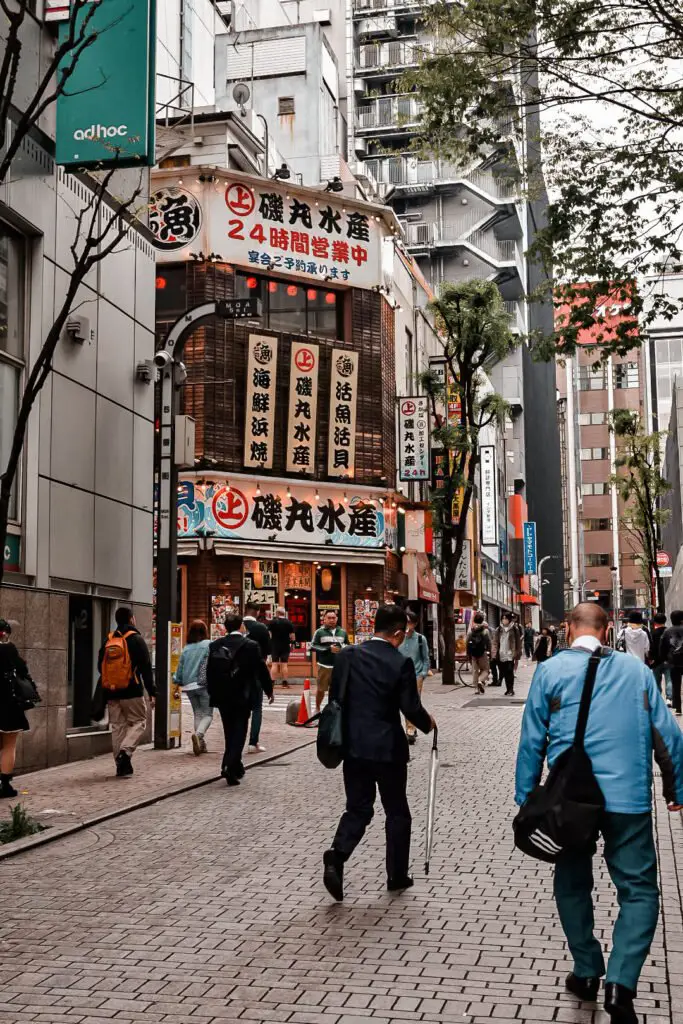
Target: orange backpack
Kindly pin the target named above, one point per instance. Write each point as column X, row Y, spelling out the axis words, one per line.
column 117, row 668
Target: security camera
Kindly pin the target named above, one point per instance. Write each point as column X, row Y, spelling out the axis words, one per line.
column 162, row 359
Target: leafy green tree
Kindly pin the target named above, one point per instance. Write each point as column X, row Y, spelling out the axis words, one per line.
column 474, row 333
column 641, row 487
column 602, row 78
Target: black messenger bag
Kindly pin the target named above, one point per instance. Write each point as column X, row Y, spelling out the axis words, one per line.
column 563, row 814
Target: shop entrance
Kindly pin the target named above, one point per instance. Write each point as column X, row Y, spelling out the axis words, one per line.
column 80, row 657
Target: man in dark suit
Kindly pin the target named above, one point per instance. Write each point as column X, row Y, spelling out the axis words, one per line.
column 259, row 632
column 374, row 683
column 232, row 685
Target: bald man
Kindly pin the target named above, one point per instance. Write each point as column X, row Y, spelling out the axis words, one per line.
column 628, row 723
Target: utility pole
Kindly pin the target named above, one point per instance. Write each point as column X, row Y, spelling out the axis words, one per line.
column 167, row 360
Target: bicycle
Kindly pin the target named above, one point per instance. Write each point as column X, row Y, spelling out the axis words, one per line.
column 465, row 665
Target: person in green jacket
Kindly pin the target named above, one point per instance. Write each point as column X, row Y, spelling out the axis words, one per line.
column 327, row 642
column 416, row 648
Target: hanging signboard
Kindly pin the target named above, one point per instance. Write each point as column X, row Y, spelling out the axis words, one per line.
column 463, row 577
column 280, row 513
column 303, row 407
column 105, row 113
column 259, row 414
column 489, row 503
column 529, row 549
column 413, row 438
column 341, row 445
column 268, row 226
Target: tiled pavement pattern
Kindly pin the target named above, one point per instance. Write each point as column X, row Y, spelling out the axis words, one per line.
column 208, row 907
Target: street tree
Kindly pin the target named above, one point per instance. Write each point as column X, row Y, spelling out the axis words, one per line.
column 595, row 88
column 641, row 487
column 102, row 220
column 474, row 334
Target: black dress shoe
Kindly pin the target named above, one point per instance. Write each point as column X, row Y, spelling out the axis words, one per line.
column 619, row 1003
column 397, row 884
column 585, row 989
column 232, row 780
column 333, row 874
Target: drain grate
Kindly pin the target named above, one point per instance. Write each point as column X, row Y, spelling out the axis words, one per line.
column 495, row 702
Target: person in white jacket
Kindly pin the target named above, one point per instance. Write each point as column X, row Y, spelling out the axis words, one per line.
column 634, row 639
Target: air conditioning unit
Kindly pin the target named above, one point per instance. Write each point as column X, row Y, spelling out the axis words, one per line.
column 360, row 145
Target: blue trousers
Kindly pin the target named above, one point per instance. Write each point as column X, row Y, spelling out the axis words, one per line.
column 632, row 863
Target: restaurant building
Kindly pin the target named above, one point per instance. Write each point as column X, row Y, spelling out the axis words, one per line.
column 293, row 497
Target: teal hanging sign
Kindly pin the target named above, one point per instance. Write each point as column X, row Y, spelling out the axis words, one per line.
column 105, row 113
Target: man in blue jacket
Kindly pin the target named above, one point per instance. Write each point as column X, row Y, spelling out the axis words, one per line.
column 627, row 724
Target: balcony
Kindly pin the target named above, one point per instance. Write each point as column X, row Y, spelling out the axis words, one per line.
column 389, row 113
column 411, row 175
column 502, row 254
column 386, row 58
column 361, row 8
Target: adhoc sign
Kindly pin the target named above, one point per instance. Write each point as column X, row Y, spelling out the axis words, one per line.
column 413, row 438
column 247, row 511
column 262, row 225
column 105, row 115
column 529, row 549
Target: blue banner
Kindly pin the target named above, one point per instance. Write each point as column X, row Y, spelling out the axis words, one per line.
column 530, row 566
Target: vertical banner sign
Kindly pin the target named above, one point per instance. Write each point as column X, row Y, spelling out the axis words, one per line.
column 463, row 578
column 530, row 549
column 489, row 503
column 259, row 413
column 341, row 447
column 413, row 438
column 303, row 407
column 175, row 646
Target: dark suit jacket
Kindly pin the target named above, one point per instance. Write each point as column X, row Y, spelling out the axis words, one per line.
column 253, row 668
column 259, row 632
column 380, row 685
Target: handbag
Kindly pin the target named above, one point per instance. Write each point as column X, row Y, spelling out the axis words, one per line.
column 563, row 814
column 23, row 690
column 330, row 740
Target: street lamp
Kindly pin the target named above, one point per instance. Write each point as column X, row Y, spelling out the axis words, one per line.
column 541, row 581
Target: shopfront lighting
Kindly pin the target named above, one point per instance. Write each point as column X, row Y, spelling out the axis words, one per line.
column 311, row 294
column 272, row 286
column 368, row 590
column 252, row 282
column 402, row 548
column 317, row 495
column 345, row 499
column 330, row 298
column 258, row 490
column 292, row 290
column 401, row 510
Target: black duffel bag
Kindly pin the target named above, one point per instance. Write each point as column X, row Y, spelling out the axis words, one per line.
column 330, row 740
column 563, row 814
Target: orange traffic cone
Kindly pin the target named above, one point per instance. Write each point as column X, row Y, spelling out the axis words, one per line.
column 307, row 695
column 305, row 706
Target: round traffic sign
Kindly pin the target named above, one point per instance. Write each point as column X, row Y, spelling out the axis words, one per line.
column 663, row 559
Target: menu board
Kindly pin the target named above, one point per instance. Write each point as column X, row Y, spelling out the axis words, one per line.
column 364, row 612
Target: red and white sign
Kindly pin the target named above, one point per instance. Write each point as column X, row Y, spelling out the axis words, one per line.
column 303, row 407
column 259, row 412
column 663, row 559
column 268, row 226
column 413, row 438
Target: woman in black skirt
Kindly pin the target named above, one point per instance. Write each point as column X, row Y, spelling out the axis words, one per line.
column 12, row 718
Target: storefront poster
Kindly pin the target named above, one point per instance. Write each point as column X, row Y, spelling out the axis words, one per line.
column 364, row 613
column 341, row 445
column 282, row 514
column 268, row 226
column 303, row 407
column 489, row 503
column 260, row 402
column 175, row 646
column 413, row 438
column 221, row 605
column 461, row 639
column 297, row 576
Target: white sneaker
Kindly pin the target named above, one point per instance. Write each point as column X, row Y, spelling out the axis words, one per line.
column 255, row 749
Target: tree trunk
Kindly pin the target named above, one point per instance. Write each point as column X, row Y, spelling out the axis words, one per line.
column 447, row 595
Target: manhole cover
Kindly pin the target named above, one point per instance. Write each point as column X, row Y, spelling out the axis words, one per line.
column 494, row 702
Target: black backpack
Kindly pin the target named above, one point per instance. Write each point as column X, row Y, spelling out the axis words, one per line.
column 226, row 684
column 564, row 813
column 476, row 644
column 674, row 657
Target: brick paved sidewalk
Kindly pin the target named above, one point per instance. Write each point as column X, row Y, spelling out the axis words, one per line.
column 208, row 908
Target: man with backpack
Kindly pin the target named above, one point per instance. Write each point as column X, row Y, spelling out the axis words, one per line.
column 125, row 667
column 627, row 724
column 416, row 648
column 235, row 674
column 479, row 651
column 671, row 654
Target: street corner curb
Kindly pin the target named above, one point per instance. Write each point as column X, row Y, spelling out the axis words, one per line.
column 52, row 835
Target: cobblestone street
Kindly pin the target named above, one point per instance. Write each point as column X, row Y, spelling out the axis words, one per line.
column 208, row 907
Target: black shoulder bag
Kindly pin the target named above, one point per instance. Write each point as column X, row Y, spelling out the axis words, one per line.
column 330, row 741
column 563, row 814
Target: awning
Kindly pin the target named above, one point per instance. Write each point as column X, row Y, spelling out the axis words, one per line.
column 290, row 552
column 526, row 599
column 426, row 584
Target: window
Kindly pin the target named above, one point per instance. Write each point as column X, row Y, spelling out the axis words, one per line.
column 597, row 524
column 588, row 454
column 592, row 380
column 592, row 419
column 594, row 561
column 285, row 105
column 293, row 308
column 626, row 375
column 590, row 489
column 12, row 267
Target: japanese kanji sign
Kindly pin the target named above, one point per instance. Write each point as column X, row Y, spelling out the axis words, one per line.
column 530, row 549
column 265, row 513
column 259, row 412
column 267, row 226
column 341, row 445
column 303, row 407
column 489, row 502
column 463, row 577
column 413, row 438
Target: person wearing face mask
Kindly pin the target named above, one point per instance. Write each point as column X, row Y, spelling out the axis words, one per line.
column 12, row 718
column 507, row 650
column 374, row 684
